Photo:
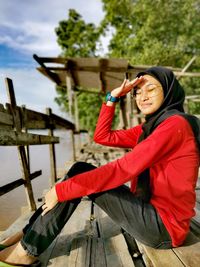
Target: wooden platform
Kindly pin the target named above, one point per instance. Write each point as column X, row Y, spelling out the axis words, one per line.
column 92, row 239
column 84, row 241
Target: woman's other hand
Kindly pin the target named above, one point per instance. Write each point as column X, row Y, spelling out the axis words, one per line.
column 126, row 87
column 51, row 200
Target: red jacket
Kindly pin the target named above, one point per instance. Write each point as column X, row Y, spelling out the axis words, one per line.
column 169, row 152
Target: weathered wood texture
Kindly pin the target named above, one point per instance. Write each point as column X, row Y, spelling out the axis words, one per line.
column 186, row 255
column 15, row 121
column 31, row 119
column 82, row 243
column 14, row 138
column 101, row 73
column 115, row 247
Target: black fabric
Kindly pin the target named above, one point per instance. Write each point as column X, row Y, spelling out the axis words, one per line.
column 137, row 218
column 174, row 97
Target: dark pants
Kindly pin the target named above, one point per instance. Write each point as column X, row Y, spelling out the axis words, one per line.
column 137, row 218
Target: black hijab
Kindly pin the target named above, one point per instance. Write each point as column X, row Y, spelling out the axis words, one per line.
column 174, row 97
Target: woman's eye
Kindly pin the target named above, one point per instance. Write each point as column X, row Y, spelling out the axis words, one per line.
column 151, row 89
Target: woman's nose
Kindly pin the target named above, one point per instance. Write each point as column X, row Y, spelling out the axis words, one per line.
column 144, row 95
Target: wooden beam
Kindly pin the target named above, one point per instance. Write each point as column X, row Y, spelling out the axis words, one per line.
column 15, row 138
column 48, row 72
column 9, row 187
column 187, row 74
column 31, row 119
column 187, row 66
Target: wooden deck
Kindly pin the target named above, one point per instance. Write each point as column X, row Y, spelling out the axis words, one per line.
column 84, row 241
column 92, row 239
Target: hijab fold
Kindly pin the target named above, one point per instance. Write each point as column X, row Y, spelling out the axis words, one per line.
column 174, row 97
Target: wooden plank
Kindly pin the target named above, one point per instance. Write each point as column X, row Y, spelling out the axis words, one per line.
column 189, row 253
column 31, row 119
column 6, row 118
column 13, row 138
column 9, row 187
column 159, row 257
column 116, row 249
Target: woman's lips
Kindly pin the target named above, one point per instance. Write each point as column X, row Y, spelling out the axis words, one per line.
column 146, row 105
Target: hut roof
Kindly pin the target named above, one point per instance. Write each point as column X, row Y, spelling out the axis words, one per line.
column 93, row 74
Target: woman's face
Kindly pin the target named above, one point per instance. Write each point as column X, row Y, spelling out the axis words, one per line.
column 149, row 95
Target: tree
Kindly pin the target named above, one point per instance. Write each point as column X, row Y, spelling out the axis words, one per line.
column 156, row 32
column 149, row 32
column 79, row 39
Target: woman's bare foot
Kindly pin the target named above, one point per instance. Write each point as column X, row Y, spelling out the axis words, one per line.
column 16, row 255
column 12, row 239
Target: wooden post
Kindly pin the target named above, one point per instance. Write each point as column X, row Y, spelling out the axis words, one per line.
column 26, row 177
column 123, row 114
column 73, row 146
column 69, row 93
column 21, row 150
column 77, row 126
column 53, row 178
column 26, row 131
column 76, row 112
column 70, row 99
column 129, row 110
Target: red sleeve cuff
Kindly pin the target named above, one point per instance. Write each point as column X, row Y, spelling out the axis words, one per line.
column 60, row 197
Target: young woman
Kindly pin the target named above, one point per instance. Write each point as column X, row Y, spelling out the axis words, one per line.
column 162, row 167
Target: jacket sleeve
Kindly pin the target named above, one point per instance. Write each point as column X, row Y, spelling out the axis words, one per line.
column 116, row 138
column 167, row 137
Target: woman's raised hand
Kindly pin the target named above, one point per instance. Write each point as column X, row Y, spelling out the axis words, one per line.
column 126, row 87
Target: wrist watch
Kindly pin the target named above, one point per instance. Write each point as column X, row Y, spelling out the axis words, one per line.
column 111, row 98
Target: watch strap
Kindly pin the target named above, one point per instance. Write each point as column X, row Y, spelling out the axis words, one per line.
column 111, row 98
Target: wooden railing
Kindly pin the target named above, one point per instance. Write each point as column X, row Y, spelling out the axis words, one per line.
column 15, row 122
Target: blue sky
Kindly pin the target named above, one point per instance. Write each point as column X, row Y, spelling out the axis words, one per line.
column 27, row 28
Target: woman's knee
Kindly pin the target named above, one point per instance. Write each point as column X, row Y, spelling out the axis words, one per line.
column 80, row 167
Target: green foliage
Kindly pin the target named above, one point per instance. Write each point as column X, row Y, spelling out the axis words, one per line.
column 149, row 32
column 77, row 38
column 90, row 105
column 161, row 32
column 156, row 32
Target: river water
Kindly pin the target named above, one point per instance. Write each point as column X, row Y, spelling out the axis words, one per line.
column 12, row 202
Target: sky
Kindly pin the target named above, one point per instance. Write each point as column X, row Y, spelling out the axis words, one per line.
column 27, row 27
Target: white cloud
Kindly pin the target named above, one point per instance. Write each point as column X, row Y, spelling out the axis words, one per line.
column 31, row 89
column 29, row 26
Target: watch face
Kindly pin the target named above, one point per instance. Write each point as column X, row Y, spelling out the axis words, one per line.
column 111, row 98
